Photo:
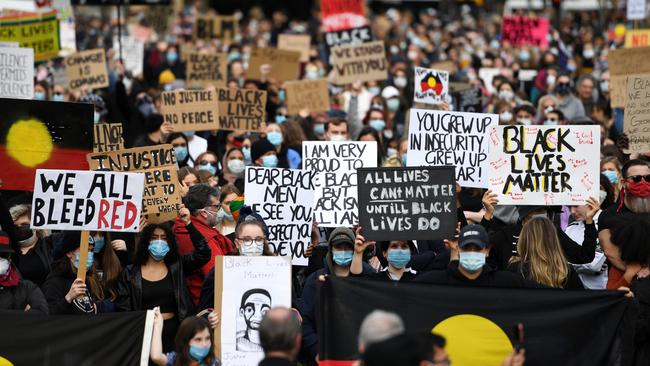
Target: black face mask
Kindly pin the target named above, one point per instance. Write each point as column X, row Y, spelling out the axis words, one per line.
column 563, row 89
column 23, row 232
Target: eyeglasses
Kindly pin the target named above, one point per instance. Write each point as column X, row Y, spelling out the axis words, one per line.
column 205, row 162
column 250, row 241
column 216, row 206
column 637, row 178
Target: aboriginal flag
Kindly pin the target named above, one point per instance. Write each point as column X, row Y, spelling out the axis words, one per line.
column 561, row 327
column 42, row 135
column 105, row 339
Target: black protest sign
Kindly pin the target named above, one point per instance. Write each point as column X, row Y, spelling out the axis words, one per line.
column 470, row 100
column 348, row 36
column 407, row 203
column 108, row 137
column 241, row 109
column 161, row 197
column 190, row 110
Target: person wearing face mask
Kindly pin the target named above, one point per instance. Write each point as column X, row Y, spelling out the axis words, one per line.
column 264, row 154
column 227, row 222
column 172, row 63
column 468, row 266
column 193, row 347
column 100, row 112
column 196, row 145
column 106, row 262
column 524, row 114
column 67, row 294
column 585, row 89
column 504, row 110
column 179, row 142
column 397, row 254
column 207, row 161
column 394, row 103
column 571, row 106
column 233, row 169
column 41, row 91
column 158, row 273
column 59, row 94
column 356, row 102
column 593, row 275
column 17, row 293
column 545, row 104
column 610, row 167
column 287, row 156
column 506, row 93
column 554, row 117
column 336, row 130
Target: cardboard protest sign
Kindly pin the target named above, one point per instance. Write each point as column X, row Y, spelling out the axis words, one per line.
column 107, row 137
column 219, row 26
column 296, row 42
column 37, row 31
column 87, row 69
column 285, row 200
column 285, row 65
column 335, row 165
column 407, row 203
column 42, row 135
column 362, row 62
column 446, row 138
column 637, row 38
column 345, row 37
column 636, row 9
column 85, row 200
column 431, row 86
column 244, row 290
column 241, row 109
column 190, row 110
column 622, row 62
column 637, row 113
column 161, row 197
column 525, row 31
column 470, row 100
column 132, row 53
column 206, row 68
column 337, row 15
column 312, row 95
column 16, row 72
column 544, row 165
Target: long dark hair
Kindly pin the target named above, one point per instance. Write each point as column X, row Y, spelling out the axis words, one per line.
column 367, row 130
column 63, row 267
column 111, row 266
column 142, row 247
column 187, row 330
column 173, row 136
column 611, row 192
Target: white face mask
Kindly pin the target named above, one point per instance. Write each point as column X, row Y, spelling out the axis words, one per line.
column 603, row 196
column 391, row 152
column 338, row 138
column 251, row 250
column 506, row 95
column 4, row 266
column 524, row 121
column 505, row 116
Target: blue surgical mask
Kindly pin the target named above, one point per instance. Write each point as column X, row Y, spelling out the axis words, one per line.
column 96, row 117
column 319, row 129
column 392, row 104
column 472, row 261
column 172, row 57
column 199, row 353
column 181, row 153
column 89, row 261
column 38, row 95
column 209, row 168
column 377, row 124
column 270, row 161
column 98, row 244
column 611, row 175
column 550, row 122
column 374, row 90
column 223, row 215
column 524, row 55
column 282, row 96
column 58, row 98
column 232, row 56
column 404, row 160
column 189, row 134
column 398, row 258
column 247, row 153
column 280, row 118
column 342, row 258
column 158, row 249
column 275, row 138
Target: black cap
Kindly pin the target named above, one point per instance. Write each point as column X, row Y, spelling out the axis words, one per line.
column 68, row 242
column 259, row 148
column 398, row 350
column 526, row 210
column 5, row 243
column 473, row 234
column 341, row 235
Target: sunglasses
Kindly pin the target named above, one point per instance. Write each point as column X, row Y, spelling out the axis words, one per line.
column 638, row 178
column 205, row 162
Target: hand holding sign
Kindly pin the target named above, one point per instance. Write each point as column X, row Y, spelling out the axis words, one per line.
column 184, row 214
column 594, row 207
column 360, row 243
column 489, row 201
column 77, row 289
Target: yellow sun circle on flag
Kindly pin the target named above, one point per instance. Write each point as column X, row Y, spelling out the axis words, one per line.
column 5, row 362
column 29, row 142
column 473, row 340
column 431, row 82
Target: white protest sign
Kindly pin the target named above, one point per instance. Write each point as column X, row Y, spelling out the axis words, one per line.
column 132, row 53
column 9, row 44
column 245, row 289
column 336, row 164
column 87, row 200
column 431, row 86
column 285, row 200
column 487, row 74
column 446, row 138
column 636, row 9
column 16, row 72
column 544, row 165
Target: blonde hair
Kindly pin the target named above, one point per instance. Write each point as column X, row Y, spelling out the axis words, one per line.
column 539, row 250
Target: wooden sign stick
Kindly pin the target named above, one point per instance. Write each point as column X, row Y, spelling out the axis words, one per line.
column 83, row 255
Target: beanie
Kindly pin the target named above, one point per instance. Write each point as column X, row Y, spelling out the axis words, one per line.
column 259, row 148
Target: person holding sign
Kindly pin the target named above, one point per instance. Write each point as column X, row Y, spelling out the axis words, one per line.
column 263, row 153
column 397, row 253
column 157, row 276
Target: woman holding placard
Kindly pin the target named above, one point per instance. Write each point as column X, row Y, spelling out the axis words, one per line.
column 157, row 276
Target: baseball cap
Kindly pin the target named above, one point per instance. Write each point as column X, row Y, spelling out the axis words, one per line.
column 473, row 234
column 341, row 235
column 5, row 243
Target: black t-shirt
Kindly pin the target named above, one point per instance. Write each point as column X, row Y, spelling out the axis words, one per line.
column 32, row 268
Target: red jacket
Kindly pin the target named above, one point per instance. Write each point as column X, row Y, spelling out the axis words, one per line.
column 219, row 244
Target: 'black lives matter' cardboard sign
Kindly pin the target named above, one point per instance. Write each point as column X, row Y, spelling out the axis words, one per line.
column 161, row 197
column 204, row 69
column 407, row 203
column 190, row 110
column 241, row 109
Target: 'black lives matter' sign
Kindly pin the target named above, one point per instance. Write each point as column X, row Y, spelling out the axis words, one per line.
column 407, row 203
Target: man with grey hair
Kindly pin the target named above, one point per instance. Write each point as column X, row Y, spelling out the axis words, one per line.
column 280, row 336
column 378, row 326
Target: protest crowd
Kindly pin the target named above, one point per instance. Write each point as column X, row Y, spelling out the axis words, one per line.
column 333, row 182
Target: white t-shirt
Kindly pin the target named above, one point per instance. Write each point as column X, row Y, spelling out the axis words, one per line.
column 593, row 275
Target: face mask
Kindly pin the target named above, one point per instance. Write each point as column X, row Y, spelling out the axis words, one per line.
column 404, row 160
column 640, row 189
column 524, row 121
column 374, row 90
column 24, row 234
column 342, row 258
column 392, row 104
column 505, row 116
column 98, row 245
column 189, row 134
column 236, row 166
column 282, row 96
column 311, row 75
column 247, row 153
column 58, row 98
column 168, row 87
column 4, row 266
column 209, row 168
column 571, row 67
column 158, row 249
column 198, row 353
column 549, row 109
column 39, row 95
column 602, row 196
column 279, row 118
column 377, row 124
column 611, row 175
column 275, row 138
column 524, row 56
column 391, row 152
column 319, row 129
column 550, row 80
column 604, row 86
column 472, row 261
column 223, row 215
column 181, row 153
column 338, row 138
column 588, row 53
column 270, row 161
column 412, row 55
column 96, row 117
column 252, row 249
column 563, row 89
column 506, row 95
column 494, row 44
column 172, row 57
column 388, row 134
column 550, row 122
column 399, row 258
column 232, row 56
column 400, row 82
column 89, row 261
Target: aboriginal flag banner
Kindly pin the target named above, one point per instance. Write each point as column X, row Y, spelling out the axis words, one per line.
column 105, row 339
column 561, row 327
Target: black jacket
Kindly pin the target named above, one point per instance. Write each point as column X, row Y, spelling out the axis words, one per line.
column 490, row 277
column 58, row 285
column 130, row 285
column 275, row 361
column 18, row 297
column 641, row 289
